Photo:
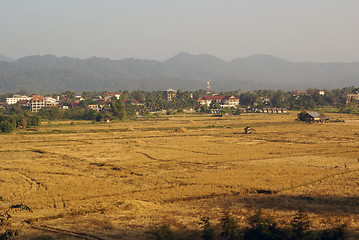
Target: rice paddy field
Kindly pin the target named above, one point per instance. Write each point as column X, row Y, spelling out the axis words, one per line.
column 116, row 180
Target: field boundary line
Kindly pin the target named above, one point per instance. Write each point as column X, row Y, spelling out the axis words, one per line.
column 318, row 180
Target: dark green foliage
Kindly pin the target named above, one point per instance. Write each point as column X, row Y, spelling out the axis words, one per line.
column 11, row 122
column 6, row 126
column 204, row 109
column 118, row 109
column 264, row 228
column 301, row 115
column 259, row 228
column 35, row 120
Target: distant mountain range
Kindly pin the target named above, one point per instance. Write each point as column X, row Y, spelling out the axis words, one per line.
column 6, row 59
column 45, row 74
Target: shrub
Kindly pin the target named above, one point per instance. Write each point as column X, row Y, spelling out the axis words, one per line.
column 300, row 225
column 336, row 233
column 207, row 230
column 263, row 228
column 229, row 227
column 161, row 233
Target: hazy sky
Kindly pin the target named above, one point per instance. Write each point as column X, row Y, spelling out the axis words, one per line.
column 297, row 30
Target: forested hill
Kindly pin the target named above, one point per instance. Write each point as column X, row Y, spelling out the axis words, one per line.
column 183, row 71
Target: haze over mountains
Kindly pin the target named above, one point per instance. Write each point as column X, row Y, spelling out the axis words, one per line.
column 45, row 74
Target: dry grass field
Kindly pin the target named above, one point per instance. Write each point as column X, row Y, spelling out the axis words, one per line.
column 116, row 180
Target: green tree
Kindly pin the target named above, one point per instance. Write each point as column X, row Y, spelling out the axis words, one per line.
column 264, row 228
column 301, row 115
column 214, row 105
column 300, row 225
column 118, row 109
column 85, row 95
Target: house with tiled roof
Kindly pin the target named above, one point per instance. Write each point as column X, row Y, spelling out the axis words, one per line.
column 110, row 95
column 224, row 101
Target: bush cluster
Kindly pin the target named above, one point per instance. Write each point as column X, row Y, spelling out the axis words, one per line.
column 258, row 227
column 14, row 121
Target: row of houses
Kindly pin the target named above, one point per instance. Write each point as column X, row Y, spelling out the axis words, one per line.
column 272, row 110
column 223, row 101
column 352, row 96
column 36, row 102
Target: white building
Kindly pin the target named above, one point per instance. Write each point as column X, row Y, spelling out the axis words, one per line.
column 15, row 98
column 321, row 92
column 51, row 102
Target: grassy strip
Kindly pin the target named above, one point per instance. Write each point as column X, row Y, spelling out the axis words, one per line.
column 316, row 181
column 47, row 132
column 208, row 196
column 63, row 215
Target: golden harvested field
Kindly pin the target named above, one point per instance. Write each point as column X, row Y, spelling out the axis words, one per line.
column 116, row 180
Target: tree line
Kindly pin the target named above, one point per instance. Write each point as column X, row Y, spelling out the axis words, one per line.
column 257, row 227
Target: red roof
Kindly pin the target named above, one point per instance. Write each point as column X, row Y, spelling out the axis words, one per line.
column 38, row 98
column 297, row 93
column 22, row 101
column 75, row 104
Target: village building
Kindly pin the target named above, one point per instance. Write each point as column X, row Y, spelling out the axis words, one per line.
column 37, row 102
column 224, row 101
column 51, row 102
column 169, row 95
column 298, row 93
column 24, row 103
column 229, row 101
column 352, row 96
column 94, row 107
column 110, row 95
column 17, row 97
column 314, row 117
column 78, row 98
column 321, row 92
column 274, row 110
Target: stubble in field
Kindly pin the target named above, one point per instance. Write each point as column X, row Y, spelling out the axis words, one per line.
column 120, row 178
